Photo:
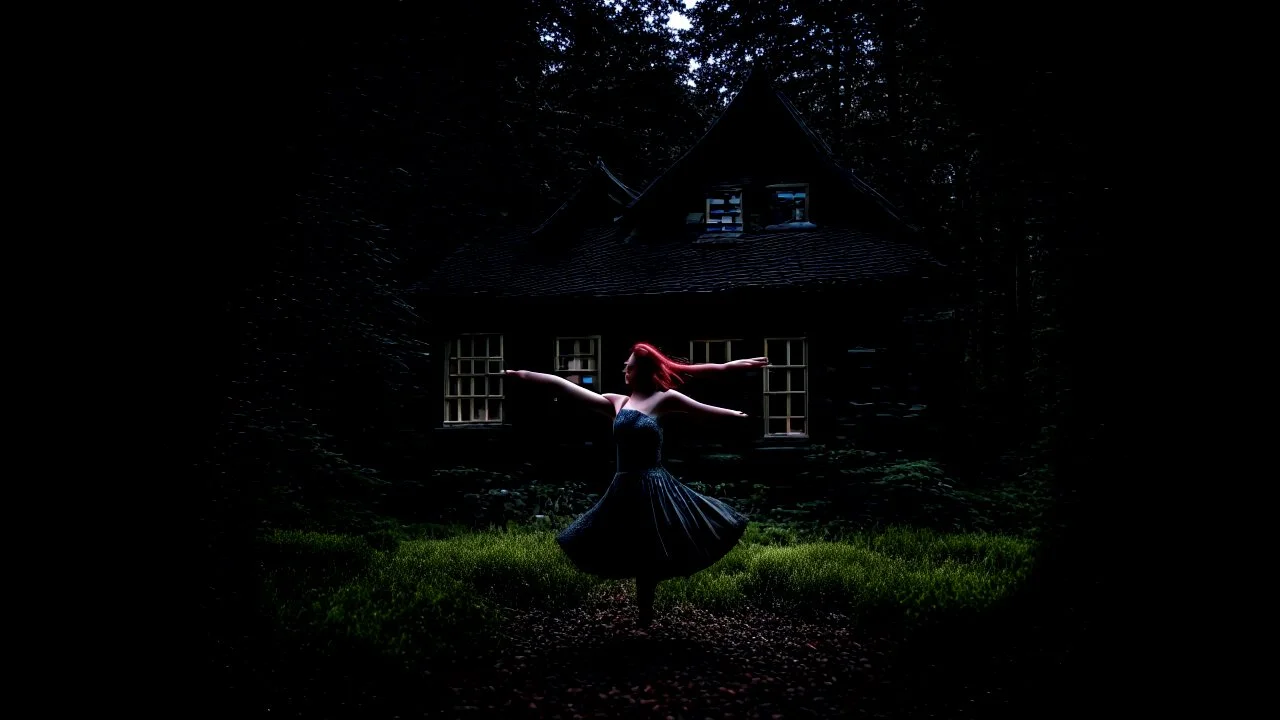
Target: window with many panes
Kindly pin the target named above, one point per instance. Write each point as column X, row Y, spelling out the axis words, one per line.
column 578, row 360
column 724, row 210
column 711, row 351
column 473, row 384
column 786, row 398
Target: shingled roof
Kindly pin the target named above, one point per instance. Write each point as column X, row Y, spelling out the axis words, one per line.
column 593, row 245
column 601, row 264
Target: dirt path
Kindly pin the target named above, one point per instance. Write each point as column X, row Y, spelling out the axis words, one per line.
column 592, row 661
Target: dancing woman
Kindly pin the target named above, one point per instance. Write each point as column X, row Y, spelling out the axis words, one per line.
column 648, row 525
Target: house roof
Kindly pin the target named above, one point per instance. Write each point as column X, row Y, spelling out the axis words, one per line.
column 596, row 243
column 600, row 263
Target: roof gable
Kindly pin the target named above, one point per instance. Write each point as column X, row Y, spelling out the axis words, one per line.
column 758, row 133
column 599, row 199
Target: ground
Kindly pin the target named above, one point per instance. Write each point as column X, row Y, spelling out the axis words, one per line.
column 593, row 661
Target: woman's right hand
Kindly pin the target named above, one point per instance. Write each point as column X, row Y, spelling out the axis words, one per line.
column 518, row 374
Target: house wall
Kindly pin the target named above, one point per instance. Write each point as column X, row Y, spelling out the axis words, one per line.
column 871, row 365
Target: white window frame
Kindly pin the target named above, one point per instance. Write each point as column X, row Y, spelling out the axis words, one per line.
column 574, row 375
column 789, row 186
column 786, row 362
column 730, row 191
column 705, row 346
column 474, row 354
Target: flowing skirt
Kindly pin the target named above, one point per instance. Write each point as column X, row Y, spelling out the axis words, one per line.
column 648, row 524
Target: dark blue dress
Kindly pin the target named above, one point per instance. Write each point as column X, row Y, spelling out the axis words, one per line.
column 648, row 524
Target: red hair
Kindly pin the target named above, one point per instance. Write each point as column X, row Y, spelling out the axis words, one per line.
column 660, row 370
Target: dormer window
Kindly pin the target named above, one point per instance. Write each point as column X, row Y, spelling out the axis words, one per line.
column 724, row 210
column 788, row 204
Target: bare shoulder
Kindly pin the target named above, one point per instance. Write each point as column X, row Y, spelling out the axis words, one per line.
column 614, row 399
column 673, row 400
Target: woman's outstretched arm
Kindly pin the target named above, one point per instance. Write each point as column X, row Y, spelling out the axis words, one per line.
column 674, row 401
column 583, row 396
column 701, row 369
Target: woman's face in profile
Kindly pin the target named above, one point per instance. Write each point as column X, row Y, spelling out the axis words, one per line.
column 629, row 369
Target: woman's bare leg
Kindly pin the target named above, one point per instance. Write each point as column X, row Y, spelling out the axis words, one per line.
column 646, row 589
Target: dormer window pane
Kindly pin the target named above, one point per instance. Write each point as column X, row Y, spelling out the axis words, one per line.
column 724, row 210
column 788, row 204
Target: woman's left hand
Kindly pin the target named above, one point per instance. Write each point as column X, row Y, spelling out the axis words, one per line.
column 747, row 364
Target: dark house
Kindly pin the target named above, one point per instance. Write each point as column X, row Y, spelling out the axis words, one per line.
column 756, row 242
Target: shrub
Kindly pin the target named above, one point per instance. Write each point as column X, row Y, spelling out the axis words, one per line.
column 482, row 498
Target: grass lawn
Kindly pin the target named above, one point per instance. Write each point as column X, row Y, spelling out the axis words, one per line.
column 427, row 597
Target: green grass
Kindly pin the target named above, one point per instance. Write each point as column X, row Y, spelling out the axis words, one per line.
column 898, row 572
column 406, row 596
